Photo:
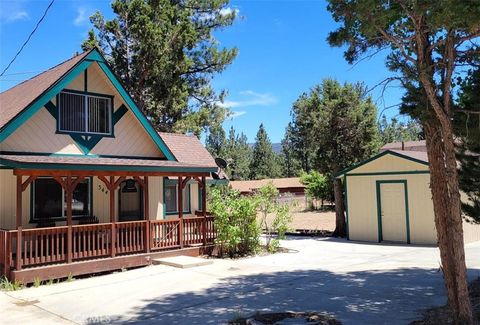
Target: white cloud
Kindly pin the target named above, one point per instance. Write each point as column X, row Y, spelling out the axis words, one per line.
column 81, row 17
column 235, row 114
column 251, row 98
column 19, row 15
column 228, row 11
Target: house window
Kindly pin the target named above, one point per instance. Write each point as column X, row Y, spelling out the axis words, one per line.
column 49, row 200
column 81, row 113
column 171, row 200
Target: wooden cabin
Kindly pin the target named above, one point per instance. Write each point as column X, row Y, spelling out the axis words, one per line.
column 86, row 183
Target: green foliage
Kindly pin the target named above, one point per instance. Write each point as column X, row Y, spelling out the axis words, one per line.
column 467, row 128
column 50, row 282
column 339, row 124
column 165, row 54
column 264, row 163
column 317, row 186
column 396, row 131
column 37, row 282
column 7, row 285
column 238, row 232
column 70, row 277
column 235, row 149
column 267, row 204
column 290, row 162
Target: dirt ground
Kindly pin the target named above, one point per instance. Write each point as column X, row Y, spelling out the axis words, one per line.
column 311, row 220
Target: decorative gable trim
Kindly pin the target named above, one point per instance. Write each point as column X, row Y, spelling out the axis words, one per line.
column 85, row 143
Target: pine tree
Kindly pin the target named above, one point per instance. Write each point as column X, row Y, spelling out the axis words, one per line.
column 239, row 155
column 467, row 128
column 290, row 164
column 216, row 141
column 165, row 54
column 264, row 162
column 396, row 131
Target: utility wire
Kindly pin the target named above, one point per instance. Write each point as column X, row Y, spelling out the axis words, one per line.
column 28, row 39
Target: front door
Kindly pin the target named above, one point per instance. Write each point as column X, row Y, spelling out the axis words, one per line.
column 393, row 212
column 130, row 207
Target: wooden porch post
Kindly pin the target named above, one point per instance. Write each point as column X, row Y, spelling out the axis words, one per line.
column 112, row 214
column 204, row 210
column 147, row 213
column 18, row 221
column 69, row 192
column 180, row 210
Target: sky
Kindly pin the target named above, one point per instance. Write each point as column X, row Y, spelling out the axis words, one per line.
column 282, row 46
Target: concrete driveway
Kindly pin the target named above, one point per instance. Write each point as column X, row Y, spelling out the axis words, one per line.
column 358, row 283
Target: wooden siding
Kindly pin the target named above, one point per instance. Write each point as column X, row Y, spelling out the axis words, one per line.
column 8, row 185
column 38, row 134
column 389, row 163
column 362, row 207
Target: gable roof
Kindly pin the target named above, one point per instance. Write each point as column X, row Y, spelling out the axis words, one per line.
column 249, row 186
column 188, row 149
column 16, row 99
column 41, row 88
column 415, row 156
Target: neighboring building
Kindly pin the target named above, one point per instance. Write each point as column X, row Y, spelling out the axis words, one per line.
column 388, row 197
column 289, row 185
column 84, row 177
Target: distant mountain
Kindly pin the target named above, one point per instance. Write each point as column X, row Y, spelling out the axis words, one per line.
column 277, row 147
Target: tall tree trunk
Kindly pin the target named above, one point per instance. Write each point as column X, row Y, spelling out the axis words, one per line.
column 340, row 224
column 448, row 221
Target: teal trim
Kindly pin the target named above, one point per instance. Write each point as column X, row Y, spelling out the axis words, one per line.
column 413, row 172
column 52, row 109
column 94, row 55
column 75, row 155
column 136, row 111
column 38, row 103
column 85, row 80
column 118, row 114
column 379, row 206
column 387, row 152
column 346, row 206
column 175, row 182
column 49, row 166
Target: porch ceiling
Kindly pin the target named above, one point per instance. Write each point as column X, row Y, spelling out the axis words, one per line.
column 101, row 164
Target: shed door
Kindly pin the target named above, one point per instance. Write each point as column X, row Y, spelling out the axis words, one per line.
column 393, row 212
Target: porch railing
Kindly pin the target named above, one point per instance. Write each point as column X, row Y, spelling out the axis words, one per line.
column 50, row 245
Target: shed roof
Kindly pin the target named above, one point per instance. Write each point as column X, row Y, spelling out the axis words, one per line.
column 406, row 146
column 249, row 186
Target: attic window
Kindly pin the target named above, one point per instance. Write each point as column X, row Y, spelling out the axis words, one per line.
column 85, row 113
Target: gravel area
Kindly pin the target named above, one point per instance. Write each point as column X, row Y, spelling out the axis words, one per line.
column 311, row 220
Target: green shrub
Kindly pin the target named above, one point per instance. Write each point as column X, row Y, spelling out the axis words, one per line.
column 7, row 285
column 238, row 232
column 267, row 203
column 37, row 282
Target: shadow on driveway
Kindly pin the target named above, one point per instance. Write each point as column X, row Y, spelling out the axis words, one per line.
column 367, row 297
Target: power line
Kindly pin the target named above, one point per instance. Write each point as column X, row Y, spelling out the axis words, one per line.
column 28, row 39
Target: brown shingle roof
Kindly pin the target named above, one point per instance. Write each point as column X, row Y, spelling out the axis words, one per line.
column 248, row 186
column 188, row 149
column 14, row 100
column 407, row 145
column 75, row 161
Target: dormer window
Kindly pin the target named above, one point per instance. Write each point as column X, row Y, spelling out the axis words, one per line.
column 85, row 113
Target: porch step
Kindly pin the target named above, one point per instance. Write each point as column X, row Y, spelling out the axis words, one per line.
column 182, row 261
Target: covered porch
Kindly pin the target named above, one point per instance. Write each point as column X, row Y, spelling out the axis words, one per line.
column 84, row 245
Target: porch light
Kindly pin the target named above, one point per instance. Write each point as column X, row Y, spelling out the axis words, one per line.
column 129, row 186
